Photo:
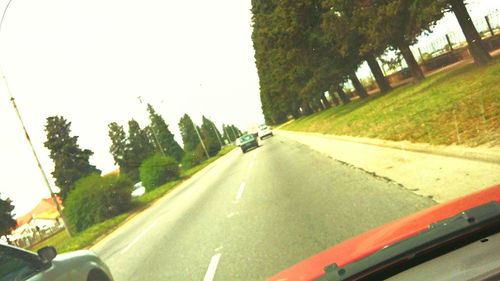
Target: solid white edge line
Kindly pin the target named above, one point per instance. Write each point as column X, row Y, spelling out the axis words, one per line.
column 240, row 191
column 212, row 267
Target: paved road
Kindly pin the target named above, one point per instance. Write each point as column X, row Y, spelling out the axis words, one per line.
column 252, row 215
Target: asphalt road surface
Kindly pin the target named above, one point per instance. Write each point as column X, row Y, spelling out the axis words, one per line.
column 249, row 216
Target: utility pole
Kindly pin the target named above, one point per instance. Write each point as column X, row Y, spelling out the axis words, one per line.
column 216, row 133
column 201, row 141
column 225, row 132
column 40, row 167
column 155, row 136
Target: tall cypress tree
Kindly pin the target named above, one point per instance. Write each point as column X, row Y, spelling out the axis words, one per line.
column 138, row 149
column 130, row 151
column 188, row 133
column 211, row 135
column 70, row 161
column 162, row 135
column 118, row 143
column 231, row 132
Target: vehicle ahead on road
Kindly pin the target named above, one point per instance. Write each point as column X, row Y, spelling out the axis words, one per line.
column 248, row 141
column 265, row 131
column 19, row 265
column 461, row 236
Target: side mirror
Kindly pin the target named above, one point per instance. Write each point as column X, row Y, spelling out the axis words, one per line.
column 47, row 254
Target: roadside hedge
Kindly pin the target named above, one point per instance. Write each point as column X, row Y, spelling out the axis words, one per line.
column 157, row 170
column 95, row 199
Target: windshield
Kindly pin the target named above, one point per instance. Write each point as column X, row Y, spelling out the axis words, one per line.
column 12, row 267
column 246, row 138
column 235, row 140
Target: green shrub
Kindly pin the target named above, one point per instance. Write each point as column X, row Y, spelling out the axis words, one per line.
column 158, row 170
column 95, row 199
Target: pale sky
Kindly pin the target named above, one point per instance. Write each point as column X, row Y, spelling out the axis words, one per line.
column 89, row 61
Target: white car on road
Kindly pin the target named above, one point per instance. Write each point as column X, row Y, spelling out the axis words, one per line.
column 265, row 131
column 21, row 265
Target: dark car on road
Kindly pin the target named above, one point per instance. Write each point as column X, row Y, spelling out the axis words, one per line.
column 248, row 142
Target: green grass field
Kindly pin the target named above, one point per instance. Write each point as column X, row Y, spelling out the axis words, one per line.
column 461, row 106
column 88, row 237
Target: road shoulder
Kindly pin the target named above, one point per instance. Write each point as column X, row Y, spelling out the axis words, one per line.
column 432, row 171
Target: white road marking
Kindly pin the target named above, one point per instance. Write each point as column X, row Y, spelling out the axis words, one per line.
column 136, row 239
column 232, row 214
column 218, row 249
column 250, row 166
column 240, row 192
column 212, row 267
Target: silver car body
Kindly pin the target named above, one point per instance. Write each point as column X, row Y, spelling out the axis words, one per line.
column 75, row 266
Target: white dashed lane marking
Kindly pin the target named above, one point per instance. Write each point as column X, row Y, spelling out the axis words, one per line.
column 212, row 267
column 240, row 192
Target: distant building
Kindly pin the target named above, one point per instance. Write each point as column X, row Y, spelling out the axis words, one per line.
column 43, row 216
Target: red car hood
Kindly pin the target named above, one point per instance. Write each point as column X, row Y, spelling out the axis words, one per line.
column 369, row 242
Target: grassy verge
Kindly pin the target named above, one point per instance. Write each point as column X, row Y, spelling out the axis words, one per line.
column 64, row 243
column 461, row 106
column 88, row 237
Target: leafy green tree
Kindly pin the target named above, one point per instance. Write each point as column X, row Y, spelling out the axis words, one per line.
column 162, row 135
column 157, row 170
column 7, row 221
column 210, row 136
column 399, row 23
column 344, row 25
column 188, row 133
column 70, row 161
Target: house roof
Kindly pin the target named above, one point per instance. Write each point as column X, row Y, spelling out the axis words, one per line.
column 44, row 207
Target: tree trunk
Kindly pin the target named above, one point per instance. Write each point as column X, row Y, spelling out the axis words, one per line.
column 317, row 106
column 474, row 42
column 335, row 100
column 325, row 102
column 360, row 90
column 295, row 113
column 382, row 82
column 306, row 109
column 415, row 70
column 343, row 97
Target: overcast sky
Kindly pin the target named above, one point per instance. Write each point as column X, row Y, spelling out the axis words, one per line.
column 89, row 61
